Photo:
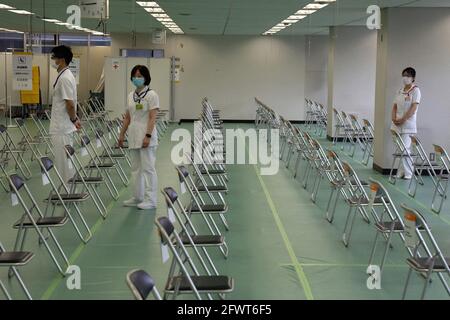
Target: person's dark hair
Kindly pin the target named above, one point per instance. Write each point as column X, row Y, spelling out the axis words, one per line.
column 144, row 72
column 411, row 72
column 63, row 52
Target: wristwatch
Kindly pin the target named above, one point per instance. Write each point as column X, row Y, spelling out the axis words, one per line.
column 74, row 120
column 148, row 135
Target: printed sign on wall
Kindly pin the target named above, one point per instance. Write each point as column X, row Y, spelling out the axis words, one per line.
column 22, row 64
column 74, row 66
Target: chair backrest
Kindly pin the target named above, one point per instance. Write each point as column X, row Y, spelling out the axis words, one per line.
column 17, row 181
column 141, row 285
column 442, row 156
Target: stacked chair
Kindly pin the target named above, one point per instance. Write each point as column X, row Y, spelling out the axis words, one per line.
column 100, row 166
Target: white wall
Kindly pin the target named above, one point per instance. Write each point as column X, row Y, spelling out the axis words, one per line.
column 422, row 44
column 316, row 55
column 354, row 71
column 231, row 71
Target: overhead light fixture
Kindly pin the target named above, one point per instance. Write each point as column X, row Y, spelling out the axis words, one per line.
column 309, row 9
column 10, row 30
column 159, row 14
column 5, row 6
column 51, row 20
column 25, row 12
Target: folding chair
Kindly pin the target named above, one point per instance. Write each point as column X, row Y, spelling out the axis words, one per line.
column 198, row 202
column 13, row 260
column 399, row 154
column 60, row 195
column 390, row 222
column 33, row 143
column 370, row 133
column 141, row 285
column 33, row 218
column 421, row 163
column 359, row 136
column 9, row 152
column 184, row 277
column 189, row 234
column 97, row 165
column 88, row 183
column 440, row 191
column 339, row 127
column 432, row 261
column 357, row 202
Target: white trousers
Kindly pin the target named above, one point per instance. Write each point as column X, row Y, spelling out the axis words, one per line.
column 143, row 172
column 406, row 165
column 61, row 161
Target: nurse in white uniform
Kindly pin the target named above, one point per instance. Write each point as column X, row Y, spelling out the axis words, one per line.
column 140, row 122
column 404, row 116
column 64, row 121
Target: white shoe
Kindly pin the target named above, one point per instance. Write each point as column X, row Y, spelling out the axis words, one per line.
column 407, row 177
column 133, row 202
column 146, row 206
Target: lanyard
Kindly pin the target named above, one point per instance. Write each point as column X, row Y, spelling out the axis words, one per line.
column 137, row 97
column 59, row 75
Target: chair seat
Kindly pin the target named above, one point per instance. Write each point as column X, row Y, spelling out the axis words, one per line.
column 43, row 222
column 363, row 201
column 385, row 226
column 218, row 188
column 202, row 283
column 106, row 165
column 424, row 264
column 15, row 258
column 72, row 197
column 114, row 156
column 204, row 240
column 213, row 171
column 89, row 180
column 208, row 208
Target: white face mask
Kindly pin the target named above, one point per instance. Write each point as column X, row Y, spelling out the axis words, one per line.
column 53, row 64
column 407, row 81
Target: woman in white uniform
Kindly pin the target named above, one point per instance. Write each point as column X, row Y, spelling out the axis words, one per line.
column 140, row 122
column 404, row 116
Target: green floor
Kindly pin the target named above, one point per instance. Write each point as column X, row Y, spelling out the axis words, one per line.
column 281, row 246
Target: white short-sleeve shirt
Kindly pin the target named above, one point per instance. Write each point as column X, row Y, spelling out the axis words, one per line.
column 139, row 106
column 404, row 100
column 65, row 88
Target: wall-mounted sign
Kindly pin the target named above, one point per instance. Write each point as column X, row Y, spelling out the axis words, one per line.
column 159, row 37
column 22, row 64
column 74, row 66
column 115, row 63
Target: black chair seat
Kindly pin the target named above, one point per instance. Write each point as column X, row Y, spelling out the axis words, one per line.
column 202, row 283
column 93, row 180
column 385, row 226
column 213, row 171
column 72, row 197
column 15, row 258
column 106, row 165
column 424, row 264
column 205, row 240
column 114, row 156
column 213, row 188
column 208, row 208
column 43, row 222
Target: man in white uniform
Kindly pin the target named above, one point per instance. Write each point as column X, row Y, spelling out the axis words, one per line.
column 64, row 121
column 404, row 117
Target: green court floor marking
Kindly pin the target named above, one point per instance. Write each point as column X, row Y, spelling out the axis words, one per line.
column 74, row 256
column 298, row 268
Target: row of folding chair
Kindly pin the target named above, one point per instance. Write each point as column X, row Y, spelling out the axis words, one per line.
column 316, row 117
column 353, row 134
column 195, row 222
column 419, row 163
column 96, row 161
column 368, row 199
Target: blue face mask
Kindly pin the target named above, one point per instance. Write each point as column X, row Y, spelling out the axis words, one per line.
column 138, row 82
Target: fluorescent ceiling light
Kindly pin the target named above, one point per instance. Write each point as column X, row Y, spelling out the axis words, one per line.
column 147, row 3
column 51, row 20
column 21, row 11
column 10, row 30
column 63, row 24
column 158, row 13
column 5, row 6
column 309, row 9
